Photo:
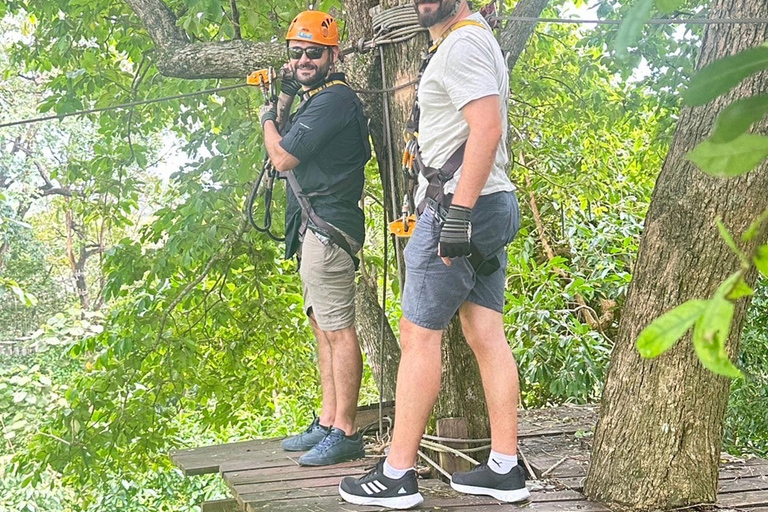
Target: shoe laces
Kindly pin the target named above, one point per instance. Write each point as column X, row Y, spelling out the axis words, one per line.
column 330, row 439
column 371, row 471
column 480, row 467
column 315, row 423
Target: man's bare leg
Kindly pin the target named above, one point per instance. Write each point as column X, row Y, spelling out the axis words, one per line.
column 418, row 384
column 325, row 361
column 484, row 330
column 347, row 368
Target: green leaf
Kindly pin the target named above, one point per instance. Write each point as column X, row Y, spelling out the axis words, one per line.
column 733, row 158
column 728, row 238
column 738, row 117
column 632, row 26
column 724, row 74
column 761, row 259
column 728, row 285
column 668, row 6
column 663, row 333
column 741, row 289
column 754, row 228
column 709, row 337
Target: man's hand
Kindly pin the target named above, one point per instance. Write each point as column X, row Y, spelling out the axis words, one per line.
column 267, row 112
column 455, row 234
column 288, row 83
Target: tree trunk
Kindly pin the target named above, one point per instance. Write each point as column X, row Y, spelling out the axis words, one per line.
column 658, row 439
column 383, row 357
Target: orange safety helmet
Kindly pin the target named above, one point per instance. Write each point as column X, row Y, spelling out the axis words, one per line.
column 314, row 27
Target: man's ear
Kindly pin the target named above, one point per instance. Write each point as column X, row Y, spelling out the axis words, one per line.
column 337, row 55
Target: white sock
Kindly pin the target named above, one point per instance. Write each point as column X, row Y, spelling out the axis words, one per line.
column 500, row 463
column 394, row 474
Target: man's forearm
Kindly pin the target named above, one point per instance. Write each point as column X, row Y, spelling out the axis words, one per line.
column 284, row 104
column 479, row 156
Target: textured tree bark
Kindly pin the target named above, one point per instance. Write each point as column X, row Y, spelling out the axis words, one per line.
column 659, row 435
column 383, row 357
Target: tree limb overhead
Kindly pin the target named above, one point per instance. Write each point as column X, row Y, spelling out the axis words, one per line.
column 177, row 57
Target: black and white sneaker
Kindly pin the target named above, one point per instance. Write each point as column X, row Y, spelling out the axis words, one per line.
column 374, row 488
column 509, row 487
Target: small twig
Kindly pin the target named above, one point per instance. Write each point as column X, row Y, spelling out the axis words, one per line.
column 527, row 465
column 434, row 464
column 554, row 466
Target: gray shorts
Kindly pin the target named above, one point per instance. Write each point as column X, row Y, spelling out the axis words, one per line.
column 328, row 278
column 434, row 291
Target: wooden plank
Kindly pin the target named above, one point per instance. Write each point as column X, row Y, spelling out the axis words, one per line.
column 207, row 459
column 757, row 483
column 221, row 506
column 336, row 504
column 743, row 499
column 731, row 472
column 255, row 476
column 437, row 494
column 211, row 459
column 330, row 488
column 455, row 428
column 368, row 415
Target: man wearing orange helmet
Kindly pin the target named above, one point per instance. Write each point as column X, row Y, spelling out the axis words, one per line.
column 322, row 150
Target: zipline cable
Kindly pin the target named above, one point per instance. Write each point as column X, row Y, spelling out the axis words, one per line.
column 121, row 106
column 650, row 21
column 171, row 98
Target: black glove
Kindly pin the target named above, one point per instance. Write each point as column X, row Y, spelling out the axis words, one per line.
column 268, row 112
column 289, row 86
column 456, row 233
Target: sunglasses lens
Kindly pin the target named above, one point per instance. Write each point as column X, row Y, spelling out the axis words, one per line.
column 314, row 52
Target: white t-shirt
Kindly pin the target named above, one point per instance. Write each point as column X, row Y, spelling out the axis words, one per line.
column 467, row 66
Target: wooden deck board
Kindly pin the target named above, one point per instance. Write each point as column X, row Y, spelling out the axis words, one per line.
column 555, row 442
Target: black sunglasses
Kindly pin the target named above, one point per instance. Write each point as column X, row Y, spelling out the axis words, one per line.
column 312, row 52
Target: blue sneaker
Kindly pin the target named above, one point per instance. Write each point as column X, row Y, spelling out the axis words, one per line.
column 307, row 439
column 335, row 447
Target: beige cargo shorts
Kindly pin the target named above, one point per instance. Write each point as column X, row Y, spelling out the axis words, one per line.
column 328, row 278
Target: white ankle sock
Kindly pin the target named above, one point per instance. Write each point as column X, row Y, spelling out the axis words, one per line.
column 393, row 473
column 500, row 463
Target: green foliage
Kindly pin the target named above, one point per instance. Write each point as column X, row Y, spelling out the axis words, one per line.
column 632, row 26
column 731, row 158
column 738, row 117
column 724, row 74
column 664, row 332
column 746, row 426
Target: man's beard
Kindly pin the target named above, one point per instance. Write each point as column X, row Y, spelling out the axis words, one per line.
column 321, row 72
column 445, row 9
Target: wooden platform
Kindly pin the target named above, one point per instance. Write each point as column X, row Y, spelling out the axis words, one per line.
column 555, row 443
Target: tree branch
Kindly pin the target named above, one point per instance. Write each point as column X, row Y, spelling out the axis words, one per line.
column 177, row 57
column 515, row 35
column 236, row 19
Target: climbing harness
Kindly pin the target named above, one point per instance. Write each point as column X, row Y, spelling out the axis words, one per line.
column 309, row 218
column 412, row 164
